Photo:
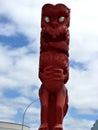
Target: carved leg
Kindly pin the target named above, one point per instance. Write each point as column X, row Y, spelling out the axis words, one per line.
column 44, row 109
column 60, row 101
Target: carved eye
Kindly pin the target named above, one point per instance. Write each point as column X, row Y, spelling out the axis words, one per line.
column 61, row 19
column 47, row 19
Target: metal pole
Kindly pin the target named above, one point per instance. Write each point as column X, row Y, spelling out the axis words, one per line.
column 25, row 112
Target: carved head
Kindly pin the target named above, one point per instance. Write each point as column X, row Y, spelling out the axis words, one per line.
column 54, row 23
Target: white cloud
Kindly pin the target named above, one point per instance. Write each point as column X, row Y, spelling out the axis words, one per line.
column 18, row 72
column 7, row 112
column 77, row 124
column 10, row 107
column 82, row 90
column 4, row 60
column 84, row 20
column 19, row 68
column 7, row 29
column 24, row 14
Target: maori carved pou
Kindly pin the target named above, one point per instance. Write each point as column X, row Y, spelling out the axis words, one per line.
column 54, row 65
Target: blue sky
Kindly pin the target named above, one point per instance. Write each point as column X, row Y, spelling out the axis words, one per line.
column 19, row 62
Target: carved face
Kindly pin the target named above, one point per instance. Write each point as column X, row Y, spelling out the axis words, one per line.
column 55, row 23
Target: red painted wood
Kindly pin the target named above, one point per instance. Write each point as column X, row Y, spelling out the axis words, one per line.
column 54, row 65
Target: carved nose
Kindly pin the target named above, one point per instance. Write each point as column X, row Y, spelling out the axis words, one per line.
column 54, row 24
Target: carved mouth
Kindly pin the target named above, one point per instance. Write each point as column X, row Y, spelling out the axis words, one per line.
column 49, row 38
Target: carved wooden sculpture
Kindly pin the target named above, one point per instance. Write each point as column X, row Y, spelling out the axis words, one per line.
column 54, row 65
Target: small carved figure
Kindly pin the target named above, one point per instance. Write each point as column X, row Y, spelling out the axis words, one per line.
column 54, row 65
